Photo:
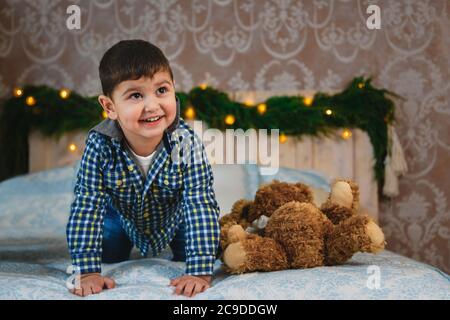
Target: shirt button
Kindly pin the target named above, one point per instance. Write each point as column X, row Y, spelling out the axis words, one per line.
column 119, row 183
column 166, row 182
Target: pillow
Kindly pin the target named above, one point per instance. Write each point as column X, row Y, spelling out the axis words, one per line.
column 229, row 185
column 36, row 205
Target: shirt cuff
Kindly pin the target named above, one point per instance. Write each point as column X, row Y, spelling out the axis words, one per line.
column 200, row 265
column 87, row 263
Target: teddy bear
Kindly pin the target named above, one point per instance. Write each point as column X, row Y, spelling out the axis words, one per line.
column 285, row 226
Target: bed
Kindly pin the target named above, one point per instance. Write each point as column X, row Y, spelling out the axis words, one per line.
column 33, row 252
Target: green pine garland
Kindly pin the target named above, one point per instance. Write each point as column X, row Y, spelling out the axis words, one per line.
column 360, row 105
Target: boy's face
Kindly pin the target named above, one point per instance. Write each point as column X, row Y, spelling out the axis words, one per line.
column 144, row 107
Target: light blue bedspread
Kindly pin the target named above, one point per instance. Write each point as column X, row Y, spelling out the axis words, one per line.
column 38, row 272
column 33, row 258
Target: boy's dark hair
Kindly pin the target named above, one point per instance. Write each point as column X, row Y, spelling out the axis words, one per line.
column 130, row 60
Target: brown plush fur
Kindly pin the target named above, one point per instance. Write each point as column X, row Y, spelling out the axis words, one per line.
column 298, row 234
column 272, row 196
column 355, row 191
column 300, row 229
column 224, row 241
column 346, row 239
column 238, row 215
column 335, row 212
column 262, row 254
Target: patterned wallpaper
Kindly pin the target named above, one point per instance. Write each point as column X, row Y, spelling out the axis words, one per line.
column 276, row 45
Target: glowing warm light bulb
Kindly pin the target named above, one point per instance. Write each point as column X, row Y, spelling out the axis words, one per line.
column 64, row 93
column 308, row 101
column 203, row 86
column 262, row 108
column 30, row 101
column 230, row 119
column 72, row 147
column 18, row 92
column 361, row 85
column 346, row 134
column 249, row 103
column 329, row 112
column 190, row 113
column 282, row 138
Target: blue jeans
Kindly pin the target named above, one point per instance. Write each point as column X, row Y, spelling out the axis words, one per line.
column 117, row 246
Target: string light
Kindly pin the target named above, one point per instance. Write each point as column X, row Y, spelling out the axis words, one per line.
column 190, row 113
column 346, row 134
column 104, row 114
column 25, row 96
column 72, row 147
column 64, row 93
column 308, row 101
column 203, row 86
column 230, row 119
column 282, row 138
column 262, row 108
column 30, row 101
column 249, row 103
column 18, row 92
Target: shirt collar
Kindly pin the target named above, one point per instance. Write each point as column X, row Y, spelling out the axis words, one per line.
column 111, row 128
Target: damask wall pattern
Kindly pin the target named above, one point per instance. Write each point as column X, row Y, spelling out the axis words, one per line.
column 276, row 45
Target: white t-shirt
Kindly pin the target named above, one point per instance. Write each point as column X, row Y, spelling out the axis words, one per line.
column 143, row 162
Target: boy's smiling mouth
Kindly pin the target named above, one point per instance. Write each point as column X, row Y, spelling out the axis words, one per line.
column 151, row 121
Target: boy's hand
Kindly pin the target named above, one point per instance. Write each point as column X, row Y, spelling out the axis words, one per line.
column 191, row 285
column 92, row 283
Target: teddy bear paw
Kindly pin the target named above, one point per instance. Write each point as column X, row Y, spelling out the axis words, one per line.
column 234, row 256
column 236, row 233
column 376, row 236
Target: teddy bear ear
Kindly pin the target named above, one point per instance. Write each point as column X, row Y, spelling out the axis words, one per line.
column 241, row 208
column 266, row 184
column 306, row 190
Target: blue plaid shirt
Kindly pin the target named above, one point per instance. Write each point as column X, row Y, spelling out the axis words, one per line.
column 152, row 207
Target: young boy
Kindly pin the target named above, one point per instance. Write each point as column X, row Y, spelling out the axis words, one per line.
column 138, row 183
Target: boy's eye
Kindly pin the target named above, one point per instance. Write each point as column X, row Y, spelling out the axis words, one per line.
column 136, row 95
column 162, row 90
